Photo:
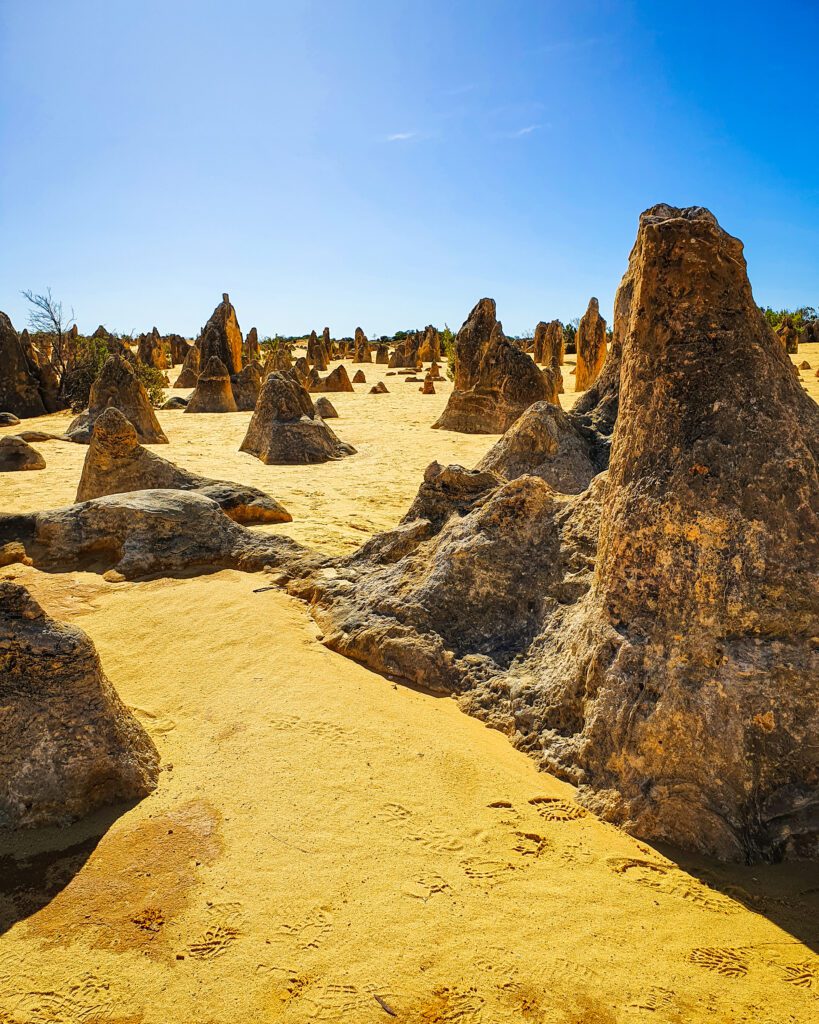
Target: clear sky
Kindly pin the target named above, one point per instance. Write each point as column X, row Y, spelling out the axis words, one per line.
column 387, row 163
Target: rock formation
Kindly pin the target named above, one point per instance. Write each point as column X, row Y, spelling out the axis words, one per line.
column 325, row 408
column 336, row 380
column 548, row 350
column 118, row 386
column 494, row 381
column 810, row 333
column 179, row 349
column 278, row 359
column 222, row 338
column 316, row 354
column 359, row 378
column 190, row 369
column 176, row 402
column 213, row 391
column 116, row 463
column 284, row 428
column 379, row 389
column 428, row 387
column 591, row 347
column 252, row 352
column 650, row 638
column 405, row 353
column 20, row 390
column 68, row 745
column 382, row 354
column 361, row 348
column 16, row 455
column 151, row 351
column 788, row 335
column 302, row 369
column 430, row 348
column 8, row 419
column 246, row 386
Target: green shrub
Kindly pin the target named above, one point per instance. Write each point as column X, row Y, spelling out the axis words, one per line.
column 87, row 361
column 153, row 380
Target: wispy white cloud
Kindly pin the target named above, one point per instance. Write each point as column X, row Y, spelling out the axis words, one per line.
column 524, row 131
column 401, row 136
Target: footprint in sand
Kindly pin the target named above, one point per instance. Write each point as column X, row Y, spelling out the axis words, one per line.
column 433, row 839
column 86, row 999
column 319, row 728
column 222, row 930
column 671, row 881
column 424, row 887
column 552, row 808
column 727, row 962
column 311, row 932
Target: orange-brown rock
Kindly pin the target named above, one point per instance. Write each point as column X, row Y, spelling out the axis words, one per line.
column 68, row 745
column 246, row 385
column 17, row 455
column 382, row 354
column 379, row 389
column 361, row 348
column 336, row 380
column 20, row 388
column 316, row 353
column 278, row 358
column 428, row 387
column 591, row 347
column 359, row 378
column 325, row 409
column 118, row 386
column 429, row 350
column 222, row 338
column 251, row 351
column 788, row 335
column 494, row 381
column 190, row 369
column 213, row 392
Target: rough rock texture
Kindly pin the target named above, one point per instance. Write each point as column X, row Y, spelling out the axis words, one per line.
column 810, row 333
column 361, row 348
column 379, row 389
column 20, row 391
column 382, row 355
column 278, row 359
column 430, row 348
column 543, row 442
column 116, row 463
column 302, row 369
column 118, row 386
column 252, row 352
column 325, row 408
column 179, row 348
column 317, row 355
column 336, row 380
column 213, row 391
column 68, row 745
column 284, row 428
column 359, row 378
column 16, row 455
column 222, row 338
column 591, row 347
column 142, row 533
column 788, row 335
column 176, row 402
column 548, row 350
column 246, row 387
column 494, row 381
column 428, row 387
column 8, row 419
column 405, row 353
column 652, row 638
column 151, row 351
column 190, row 369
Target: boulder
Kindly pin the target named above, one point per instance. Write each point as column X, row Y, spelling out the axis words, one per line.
column 118, row 386
column 20, row 389
column 8, row 419
column 213, row 392
column 359, row 378
column 337, row 380
column 804, row 365
column 652, row 638
column 591, row 347
column 428, row 387
column 284, row 428
column 379, row 389
column 221, row 337
column 16, row 454
column 176, row 403
column 68, row 745
column 190, row 369
column 494, row 381
column 116, row 463
column 325, row 408
column 246, row 386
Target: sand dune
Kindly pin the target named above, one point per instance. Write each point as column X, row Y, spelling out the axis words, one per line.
column 327, row 846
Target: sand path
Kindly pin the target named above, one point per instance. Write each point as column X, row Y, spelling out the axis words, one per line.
column 327, row 846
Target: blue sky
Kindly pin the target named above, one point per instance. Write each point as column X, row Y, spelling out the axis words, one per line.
column 388, row 163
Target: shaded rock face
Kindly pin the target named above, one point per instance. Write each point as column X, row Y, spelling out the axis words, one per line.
column 494, row 380
column 359, row 378
column 591, row 347
column 151, row 351
column 548, row 349
column 17, row 455
column 213, row 390
column 20, row 391
column 543, row 442
column 246, row 387
column 405, row 353
column 116, row 463
column 325, row 408
column 302, row 369
column 361, row 348
column 379, row 389
column 316, row 353
column 68, row 745
column 277, row 359
column 649, row 638
column 810, row 333
column 788, row 335
column 8, row 419
column 190, row 369
column 428, row 387
column 382, row 355
column 179, row 349
column 118, row 386
column 336, row 380
column 222, row 338
column 251, row 348
column 141, row 533
column 284, row 428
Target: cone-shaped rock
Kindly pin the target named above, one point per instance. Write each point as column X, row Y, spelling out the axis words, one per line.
column 430, row 348
column 336, row 380
column 17, row 455
column 361, row 348
column 251, row 347
column 20, row 391
column 278, row 359
column 359, row 378
column 316, row 353
column 222, row 338
column 190, row 369
column 284, row 428
column 68, row 745
column 591, row 347
column 494, row 381
column 326, row 409
column 246, row 386
column 118, row 386
column 213, row 390
column 116, row 463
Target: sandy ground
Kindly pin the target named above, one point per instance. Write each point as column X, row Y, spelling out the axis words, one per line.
column 326, row 846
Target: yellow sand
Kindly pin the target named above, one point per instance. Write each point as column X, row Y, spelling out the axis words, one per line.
column 327, row 846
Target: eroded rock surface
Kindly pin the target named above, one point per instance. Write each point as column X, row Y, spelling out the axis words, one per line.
column 213, row 392
column 221, row 337
column 118, row 386
column 17, row 455
column 68, row 745
column 591, row 347
column 20, row 390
